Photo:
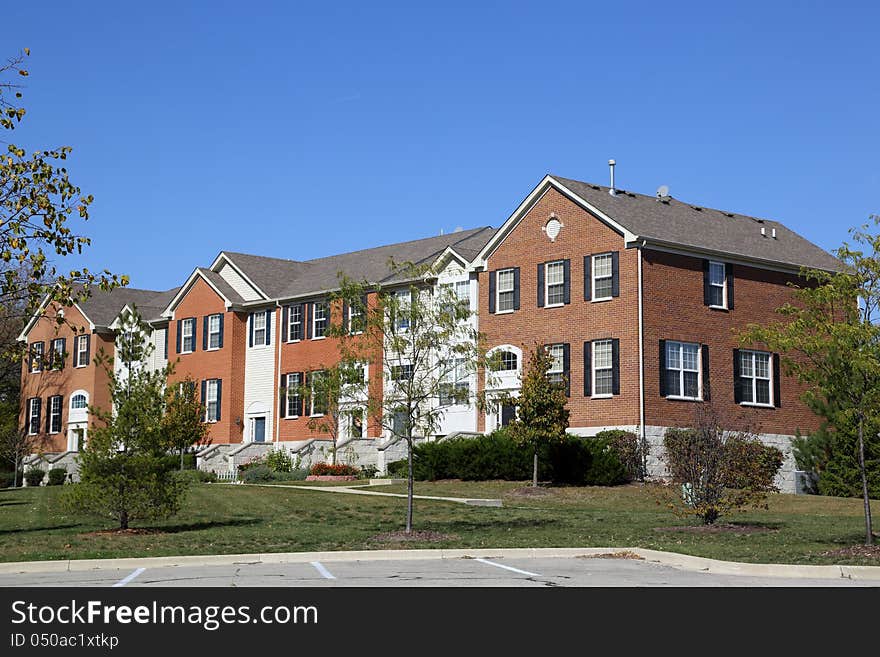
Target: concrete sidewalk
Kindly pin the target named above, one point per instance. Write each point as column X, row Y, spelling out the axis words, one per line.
column 671, row 559
column 358, row 490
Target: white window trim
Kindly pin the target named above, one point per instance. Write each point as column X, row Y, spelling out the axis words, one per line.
column 37, row 357
column 561, row 370
column 314, row 320
column 498, row 291
column 217, row 332
column 55, row 353
column 81, row 339
column 287, row 396
column 547, row 284
column 754, row 378
column 312, row 397
column 604, row 395
column 261, row 344
column 208, row 400
column 681, row 371
column 78, row 408
column 191, row 322
column 352, row 315
column 593, row 277
column 31, row 407
column 60, row 413
column 723, row 285
column 363, row 413
column 291, row 323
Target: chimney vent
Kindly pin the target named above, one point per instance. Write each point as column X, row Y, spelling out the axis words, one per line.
column 612, row 190
column 763, row 232
column 773, row 233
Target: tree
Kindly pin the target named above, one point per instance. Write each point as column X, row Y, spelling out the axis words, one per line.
column 542, row 415
column 124, row 470
column 830, row 340
column 183, row 422
column 38, row 205
column 423, row 342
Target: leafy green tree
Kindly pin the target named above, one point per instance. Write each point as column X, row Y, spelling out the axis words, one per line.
column 422, row 341
column 830, row 340
column 124, row 472
column 183, row 422
column 542, row 414
column 38, row 207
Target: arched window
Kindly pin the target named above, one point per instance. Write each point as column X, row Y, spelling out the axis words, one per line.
column 508, row 361
column 78, row 401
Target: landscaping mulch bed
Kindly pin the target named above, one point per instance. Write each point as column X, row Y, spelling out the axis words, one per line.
column 862, row 551
column 417, row 536
column 718, row 528
column 623, row 554
column 531, row 491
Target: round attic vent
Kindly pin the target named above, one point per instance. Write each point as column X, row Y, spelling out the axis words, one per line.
column 553, row 227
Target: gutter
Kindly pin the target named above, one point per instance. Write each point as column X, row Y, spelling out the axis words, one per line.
column 641, row 352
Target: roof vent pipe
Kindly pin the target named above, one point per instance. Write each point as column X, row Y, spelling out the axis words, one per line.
column 763, row 232
column 773, row 233
column 612, row 190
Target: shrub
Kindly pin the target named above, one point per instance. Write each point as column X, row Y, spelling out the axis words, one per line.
column 256, row 473
column 368, row 472
column 196, row 476
column 172, row 462
column 279, row 460
column 7, row 479
column 297, row 474
column 338, row 470
column 34, row 476
column 396, row 469
column 631, row 451
column 57, row 476
column 257, row 460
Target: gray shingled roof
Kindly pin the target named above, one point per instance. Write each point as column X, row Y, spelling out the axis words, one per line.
column 292, row 278
column 220, row 283
column 676, row 222
column 102, row 307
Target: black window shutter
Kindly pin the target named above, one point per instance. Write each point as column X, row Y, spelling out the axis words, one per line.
column 737, row 384
column 615, row 366
column 345, row 316
column 777, row 392
column 284, row 393
column 88, row 349
column 50, row 357
column 516, row 288
column 193, row 323
column 219, row 397
column 63, row 355
column 221, row 331
column 492, row 291
column 204, row 400
column 305, row 396
column 166, row 343
column 307, row 319
column 179, row 333
column 588, row 278
column 541, row 285
column 728, row 273
column 704, row 364
column 566, row 281
column 300, row 381
column 285, row 325
column 205, row 333
column 566, row 368
column 615, row 273
column 31, row 358
column 251, row 331
column 39, row 404
column 588, row 369
column 48, row 414
column 706, row 296
column 268, row 327
column 662, row 366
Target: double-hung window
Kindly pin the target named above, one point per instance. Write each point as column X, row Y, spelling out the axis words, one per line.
column 556, row 373
column 603, row 368
column 555, row 282
column 355, row 319
column 319, row 319
column 683, row 370
column 455, row 389
column 401, row 308
column 602, row 277
column 37, row 357
column 754, row 375
column 259, row 320
column 212, row 400
column 213, row 331
column 401, row 372
column 34, row 405
column 82, row 351
column 188, row 336
column 295, row 323
column 294, row 395
column 355, row 423
column 505, row 291
column 57, row 354
column 318, row 395
column 717, row 285
column 55, row 414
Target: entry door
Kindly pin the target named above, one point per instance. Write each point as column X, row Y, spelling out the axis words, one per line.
column 259, row 430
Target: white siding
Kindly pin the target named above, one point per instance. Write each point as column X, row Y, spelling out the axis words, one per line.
column 235, row 280
column 259, row 384
column 157, row 358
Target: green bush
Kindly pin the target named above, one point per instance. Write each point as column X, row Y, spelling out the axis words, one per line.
column 7, row 479
column 172, row 462
column 196, row 476
column 368, row 472
column 396, row 469
column 34, row 476
column 583, row 462
column 278, row 460
column 257, row 473
column 57, row 476
column 297, row 474
column 630, row 450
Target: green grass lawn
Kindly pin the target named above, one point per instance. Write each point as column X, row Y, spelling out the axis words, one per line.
column 218, row 519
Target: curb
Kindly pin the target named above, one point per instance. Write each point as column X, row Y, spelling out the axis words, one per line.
column 671, row 559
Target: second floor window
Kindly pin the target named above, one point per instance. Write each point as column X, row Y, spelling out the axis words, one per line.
column 293, row 395
column 34, row 405
column 317, row 393
column 602, row 276
column 683, row 370
column 214, row 332
column 37, row 357
column 188, row 336
column 82, row 351
column 556, row 373
column 57, row 355
column 505, row 290
column 212, row 400
column 603, row 373
column 295, row 323
column 455, row 389
column 401, row 372
column 555, row 277
column 319, row 322
column 55, row 414
column 259, row 320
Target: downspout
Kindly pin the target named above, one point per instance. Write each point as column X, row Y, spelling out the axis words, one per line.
column 275, row 379
column 641, row 352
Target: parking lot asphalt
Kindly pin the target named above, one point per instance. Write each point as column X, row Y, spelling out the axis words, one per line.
column 575, row 571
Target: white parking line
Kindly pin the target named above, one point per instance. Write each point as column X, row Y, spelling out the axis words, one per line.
column 324, row 572
column 511, row 568
column 130, row 577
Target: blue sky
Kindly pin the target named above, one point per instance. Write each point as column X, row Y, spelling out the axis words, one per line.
column 299, row 130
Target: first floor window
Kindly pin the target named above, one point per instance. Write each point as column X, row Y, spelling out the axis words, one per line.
column 455, row 388
column 555, row 273
column 400, row 423
column 401, row 372
column 78, row 401
column 754, row 375
column 602, row 368
column 317, row 393
column 683, row 370
column 212, row 400
column 319, row 325
column 507, row 362
column 556, row 372
column 55, row 414
column 34, row 405
column 294, row 395
column 82, row 351
column 356, row 423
